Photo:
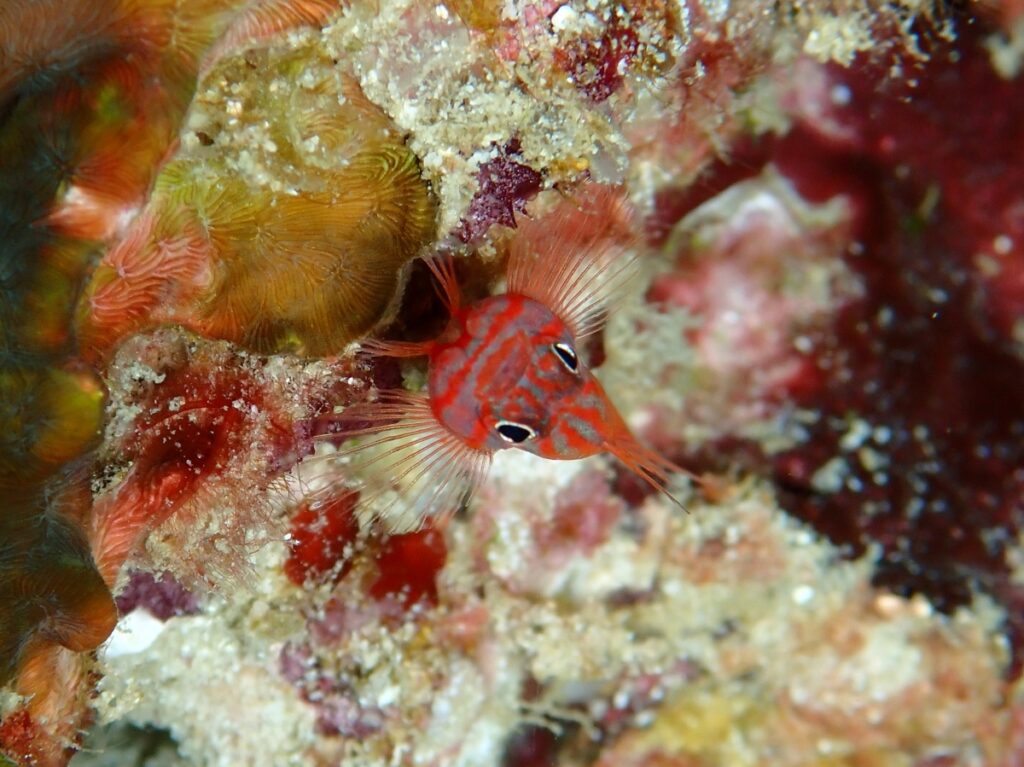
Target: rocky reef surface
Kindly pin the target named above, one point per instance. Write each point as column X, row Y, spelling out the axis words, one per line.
column 204, row 204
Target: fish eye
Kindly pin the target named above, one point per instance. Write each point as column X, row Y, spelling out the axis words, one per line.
column 516, row 433
column 567, row 355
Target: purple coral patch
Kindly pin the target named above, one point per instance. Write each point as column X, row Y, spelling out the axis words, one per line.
column 161, row 595
column 596, row 65
column 505, row 186
column 338, row 711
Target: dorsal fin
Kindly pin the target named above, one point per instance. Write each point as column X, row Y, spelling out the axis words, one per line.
column 578, row 257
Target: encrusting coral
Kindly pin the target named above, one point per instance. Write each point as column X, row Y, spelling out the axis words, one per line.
column 86, row 118
column 203, row 202
column 94, row 98
column 286, row 229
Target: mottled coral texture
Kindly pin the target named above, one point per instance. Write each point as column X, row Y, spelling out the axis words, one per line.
column 204, row 202
column 914, row 414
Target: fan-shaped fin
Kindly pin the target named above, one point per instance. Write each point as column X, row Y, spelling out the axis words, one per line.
column 405, row 464
column 397, row 348
column 447, row 286
column 578, row 258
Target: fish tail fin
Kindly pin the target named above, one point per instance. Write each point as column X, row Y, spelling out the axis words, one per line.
column 406, row 465
column 578, row 258
column 446, row 286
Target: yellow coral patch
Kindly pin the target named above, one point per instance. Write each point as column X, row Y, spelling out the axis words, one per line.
column 284, row 228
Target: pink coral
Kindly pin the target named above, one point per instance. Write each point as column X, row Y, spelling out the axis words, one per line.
column 929, row 175
column 758, row 267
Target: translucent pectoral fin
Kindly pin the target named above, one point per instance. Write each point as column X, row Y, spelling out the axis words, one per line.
column 406, row 465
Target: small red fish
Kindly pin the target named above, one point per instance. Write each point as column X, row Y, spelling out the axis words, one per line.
column 506, row 372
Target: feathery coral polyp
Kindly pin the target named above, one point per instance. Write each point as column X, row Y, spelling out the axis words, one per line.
column 306, row 269
column 210, row 428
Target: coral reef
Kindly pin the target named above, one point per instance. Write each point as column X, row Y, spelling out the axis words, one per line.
column 86, row 118
column 94, row 97
column 921, row 459
column 204, row 202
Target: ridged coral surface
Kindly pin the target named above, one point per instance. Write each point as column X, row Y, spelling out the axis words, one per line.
column 285, row 228
column 203, row 203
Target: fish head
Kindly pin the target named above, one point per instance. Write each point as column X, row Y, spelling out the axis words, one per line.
column 549, row 403
column 512, row 376
column 542, row 398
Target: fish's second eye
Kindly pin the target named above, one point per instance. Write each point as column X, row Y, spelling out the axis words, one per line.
column 567, row 355
column 515, row 433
